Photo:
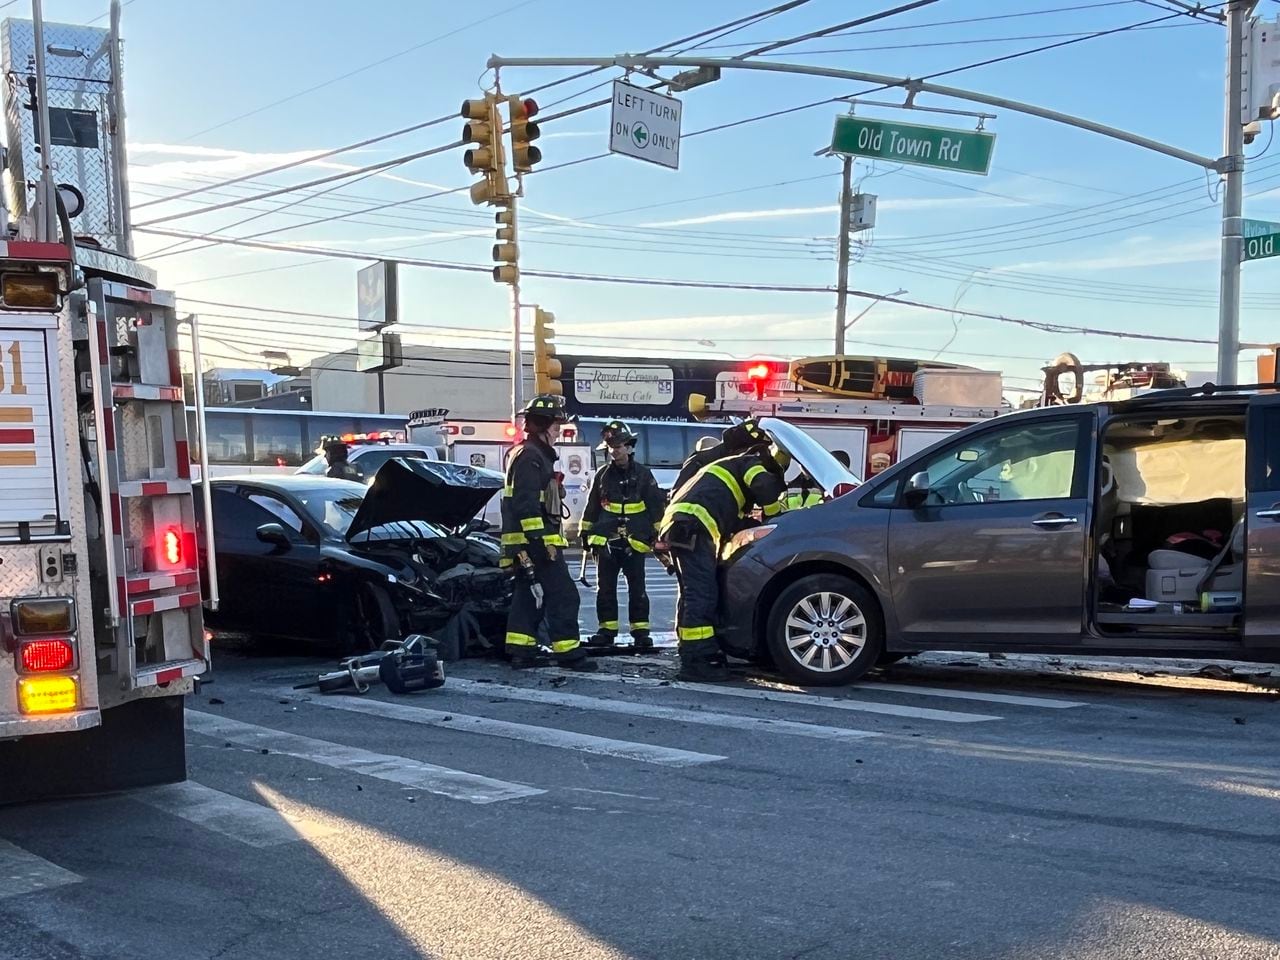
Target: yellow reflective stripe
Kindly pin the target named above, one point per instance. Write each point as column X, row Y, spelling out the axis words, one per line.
column 505, row 562
column 633, row 508
column 555, row 540
column 639, row 546
column 609, row 624
column 510, row 538
column 728, row 479
column 698, row 512
column 564, row 646
column 640, row 625
column 520, row 640
column 695, row 633
column 542, row 496
column 771, row 509
column 585, row 525
column 612, row 507
column 596, row 540
column 752, row 473
column 532, row 523
column 508, row 491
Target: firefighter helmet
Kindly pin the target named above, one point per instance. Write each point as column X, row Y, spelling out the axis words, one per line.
column 744, row 435
column 616, row 433
column 780, row 457
column 547, row 408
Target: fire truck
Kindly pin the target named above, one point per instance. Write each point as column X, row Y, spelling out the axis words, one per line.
column 876, row 410
column 101, row 631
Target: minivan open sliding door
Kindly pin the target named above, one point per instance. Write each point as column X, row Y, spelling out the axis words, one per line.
column 1262, row 524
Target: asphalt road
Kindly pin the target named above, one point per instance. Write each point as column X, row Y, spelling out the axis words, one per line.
column 932, row 813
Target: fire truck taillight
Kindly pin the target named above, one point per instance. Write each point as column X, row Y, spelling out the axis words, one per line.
column 30, row 290
column 48, row 694
column 34, row 616
column 171, row 546
column 46, row 656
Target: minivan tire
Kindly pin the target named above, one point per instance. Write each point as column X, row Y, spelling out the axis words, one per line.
column 829, row 594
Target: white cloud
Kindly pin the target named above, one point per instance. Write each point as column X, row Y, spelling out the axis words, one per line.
column 1137, row 252
column 900, row 203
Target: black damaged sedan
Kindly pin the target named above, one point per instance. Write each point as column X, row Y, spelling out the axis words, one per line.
column 350, row 566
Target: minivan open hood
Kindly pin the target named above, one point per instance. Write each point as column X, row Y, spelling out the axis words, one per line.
column 826, row 471
column 446, row 494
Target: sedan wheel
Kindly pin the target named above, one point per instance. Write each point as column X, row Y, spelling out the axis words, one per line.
column 825, row 629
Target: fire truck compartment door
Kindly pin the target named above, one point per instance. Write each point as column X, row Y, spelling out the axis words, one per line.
column 30, row 505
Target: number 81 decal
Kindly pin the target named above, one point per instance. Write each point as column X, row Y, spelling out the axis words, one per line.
column 11, row 372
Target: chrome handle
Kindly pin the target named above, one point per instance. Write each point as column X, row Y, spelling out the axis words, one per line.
column 1055, row 522
column 1268, row 514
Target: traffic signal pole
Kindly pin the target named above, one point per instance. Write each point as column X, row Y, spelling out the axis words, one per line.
column 1232, row 197
column 517, row 359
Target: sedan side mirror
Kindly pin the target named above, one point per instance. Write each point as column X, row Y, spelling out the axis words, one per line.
column 274, row 534
column 916, row 492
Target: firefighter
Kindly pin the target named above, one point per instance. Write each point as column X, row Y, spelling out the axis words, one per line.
column 533, row 546
column 622, row 513
column 734, row 439
column 340, row 468
column 802, row 495
column 702, row 515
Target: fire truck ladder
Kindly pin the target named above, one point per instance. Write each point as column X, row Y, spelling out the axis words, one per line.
column 154, row 628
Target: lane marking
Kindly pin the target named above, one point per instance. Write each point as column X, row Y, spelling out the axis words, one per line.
column 543, row 736
column 1009, row 698
column 250, row 823
column 455, row 784
column 704, row 718
column 782, row 696
column 22, row 872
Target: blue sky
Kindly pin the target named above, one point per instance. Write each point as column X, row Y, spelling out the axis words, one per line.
column 1067, row 228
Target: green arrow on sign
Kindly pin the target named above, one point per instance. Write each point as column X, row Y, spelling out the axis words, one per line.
column 968, row 151
column 1261, row 239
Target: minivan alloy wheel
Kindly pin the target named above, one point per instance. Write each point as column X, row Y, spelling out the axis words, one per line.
column 825, row 631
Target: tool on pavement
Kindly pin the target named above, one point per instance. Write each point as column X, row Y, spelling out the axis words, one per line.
column 404, row 666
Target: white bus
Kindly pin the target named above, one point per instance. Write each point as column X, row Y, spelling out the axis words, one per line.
column 661, row 445
column 252, row 440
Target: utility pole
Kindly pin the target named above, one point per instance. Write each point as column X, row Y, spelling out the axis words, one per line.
column 842, row 276
column 1232, row 197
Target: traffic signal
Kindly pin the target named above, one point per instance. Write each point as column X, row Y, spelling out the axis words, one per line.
column 758, row 376
column 523, row 132
column 546, row 368
column 484, row 129
column 506, row 253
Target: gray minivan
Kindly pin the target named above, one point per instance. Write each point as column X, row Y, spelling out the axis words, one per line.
column 1144, row 527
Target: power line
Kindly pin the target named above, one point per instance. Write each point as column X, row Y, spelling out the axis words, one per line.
column 825, row 31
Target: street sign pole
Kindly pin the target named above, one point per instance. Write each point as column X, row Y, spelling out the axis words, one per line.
column 1232, row 199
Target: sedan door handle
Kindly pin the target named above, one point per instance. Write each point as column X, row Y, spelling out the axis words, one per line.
column 1053, row 523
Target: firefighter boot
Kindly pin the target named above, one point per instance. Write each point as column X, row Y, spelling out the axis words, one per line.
column 641, row 642
column 527, row 659
column 704, row 667
column 577, row 661
column 602, row 639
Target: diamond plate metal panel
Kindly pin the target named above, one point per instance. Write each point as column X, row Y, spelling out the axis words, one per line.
column 78, row 64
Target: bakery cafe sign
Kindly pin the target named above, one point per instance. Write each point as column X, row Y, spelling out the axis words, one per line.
column 641, row 386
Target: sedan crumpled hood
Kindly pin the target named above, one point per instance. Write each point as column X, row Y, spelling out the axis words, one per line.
column 446, row 494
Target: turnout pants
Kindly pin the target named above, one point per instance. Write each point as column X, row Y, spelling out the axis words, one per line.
column 631, row 565
column 698, row 598
column 559, row 607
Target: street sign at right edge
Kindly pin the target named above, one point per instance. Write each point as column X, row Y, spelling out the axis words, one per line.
column 966, row 151
column 1261, row 239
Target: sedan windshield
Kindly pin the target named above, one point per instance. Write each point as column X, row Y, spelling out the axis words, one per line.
column 334, row 507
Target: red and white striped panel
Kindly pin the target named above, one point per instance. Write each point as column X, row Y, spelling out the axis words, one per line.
column 146, row 391
column 124, row 291
column 144, row 608
column 154, row 488
column 32, row 250
column 150, row 583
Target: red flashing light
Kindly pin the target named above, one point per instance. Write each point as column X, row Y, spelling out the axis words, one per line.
column 758, row 376
column 171, row 546
column 510, row 430
column 44, row 656
column 452, row 429
column 568, row 433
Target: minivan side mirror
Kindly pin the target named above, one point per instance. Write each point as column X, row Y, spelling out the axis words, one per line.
column 916, row 492
column 273, row 533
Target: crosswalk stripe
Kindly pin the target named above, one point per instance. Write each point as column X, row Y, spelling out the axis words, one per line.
column 22, row 872
column 443, row 781
column 704, row 718
column 250, row 823
column 782, row 696
column 543, row 736
column 1016, row 700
